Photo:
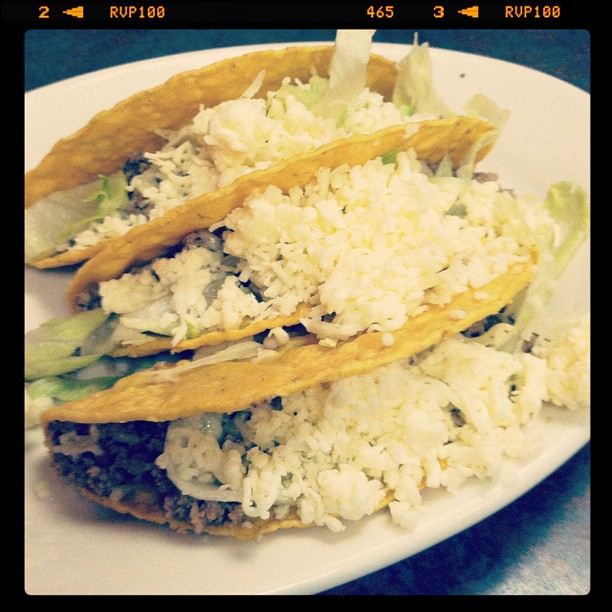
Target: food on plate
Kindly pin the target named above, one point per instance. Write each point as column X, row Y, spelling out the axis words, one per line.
column 272, row 251
column 200, row 130
column 322, row 339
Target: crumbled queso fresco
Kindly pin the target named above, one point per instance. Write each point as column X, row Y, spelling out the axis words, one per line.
column 235, row 138
column 366, row 247
column 335, row 452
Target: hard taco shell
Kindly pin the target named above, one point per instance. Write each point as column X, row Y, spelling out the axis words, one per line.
column 104, row 144
column 144, row 506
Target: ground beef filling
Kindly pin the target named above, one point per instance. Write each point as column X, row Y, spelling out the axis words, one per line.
column 135, row 165
column 120, row 457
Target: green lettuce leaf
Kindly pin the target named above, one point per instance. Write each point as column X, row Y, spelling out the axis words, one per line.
column 569, row 206
column 55, row 347
column 347, row 76
column 112, row 194
column 308, row 97
column 68, row 388
column 414, row 87
column 60, row 216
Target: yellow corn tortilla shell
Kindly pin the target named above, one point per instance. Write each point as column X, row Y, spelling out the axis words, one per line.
column 103, row 145
column 143, row 504
column 214, row 338
column 229, row 386
column 457, row 137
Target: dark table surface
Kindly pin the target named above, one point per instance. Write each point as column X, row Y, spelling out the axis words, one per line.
column 541, row 543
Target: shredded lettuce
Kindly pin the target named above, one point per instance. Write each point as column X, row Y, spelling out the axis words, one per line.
column 112, row 194
column 415, row 93
column 55, row 347
column 307, row 96
column 414, row 87
column 46, row 221
column 68, row 388
column 568, row 204
column 347, row 76
column 482, row 106
column 390, row 157
column 60, row 216
column 150, row 318
column 81, row 345
column 49, row 391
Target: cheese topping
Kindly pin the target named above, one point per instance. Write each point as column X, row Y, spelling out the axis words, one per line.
column 234, row 138
column 334, row 452
column 366, row 247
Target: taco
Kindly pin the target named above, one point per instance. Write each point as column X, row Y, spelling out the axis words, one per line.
column 201, row 458
column 203, row 128
column 177, row 283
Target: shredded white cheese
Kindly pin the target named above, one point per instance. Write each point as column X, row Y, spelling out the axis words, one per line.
column 366, row 246
column 566, row 347
column 234, row 138
column 334, row 452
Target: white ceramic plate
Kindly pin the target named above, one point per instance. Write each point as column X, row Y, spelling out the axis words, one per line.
column 74, row 547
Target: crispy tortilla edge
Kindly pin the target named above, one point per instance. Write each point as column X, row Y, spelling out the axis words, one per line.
column 151, row 512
